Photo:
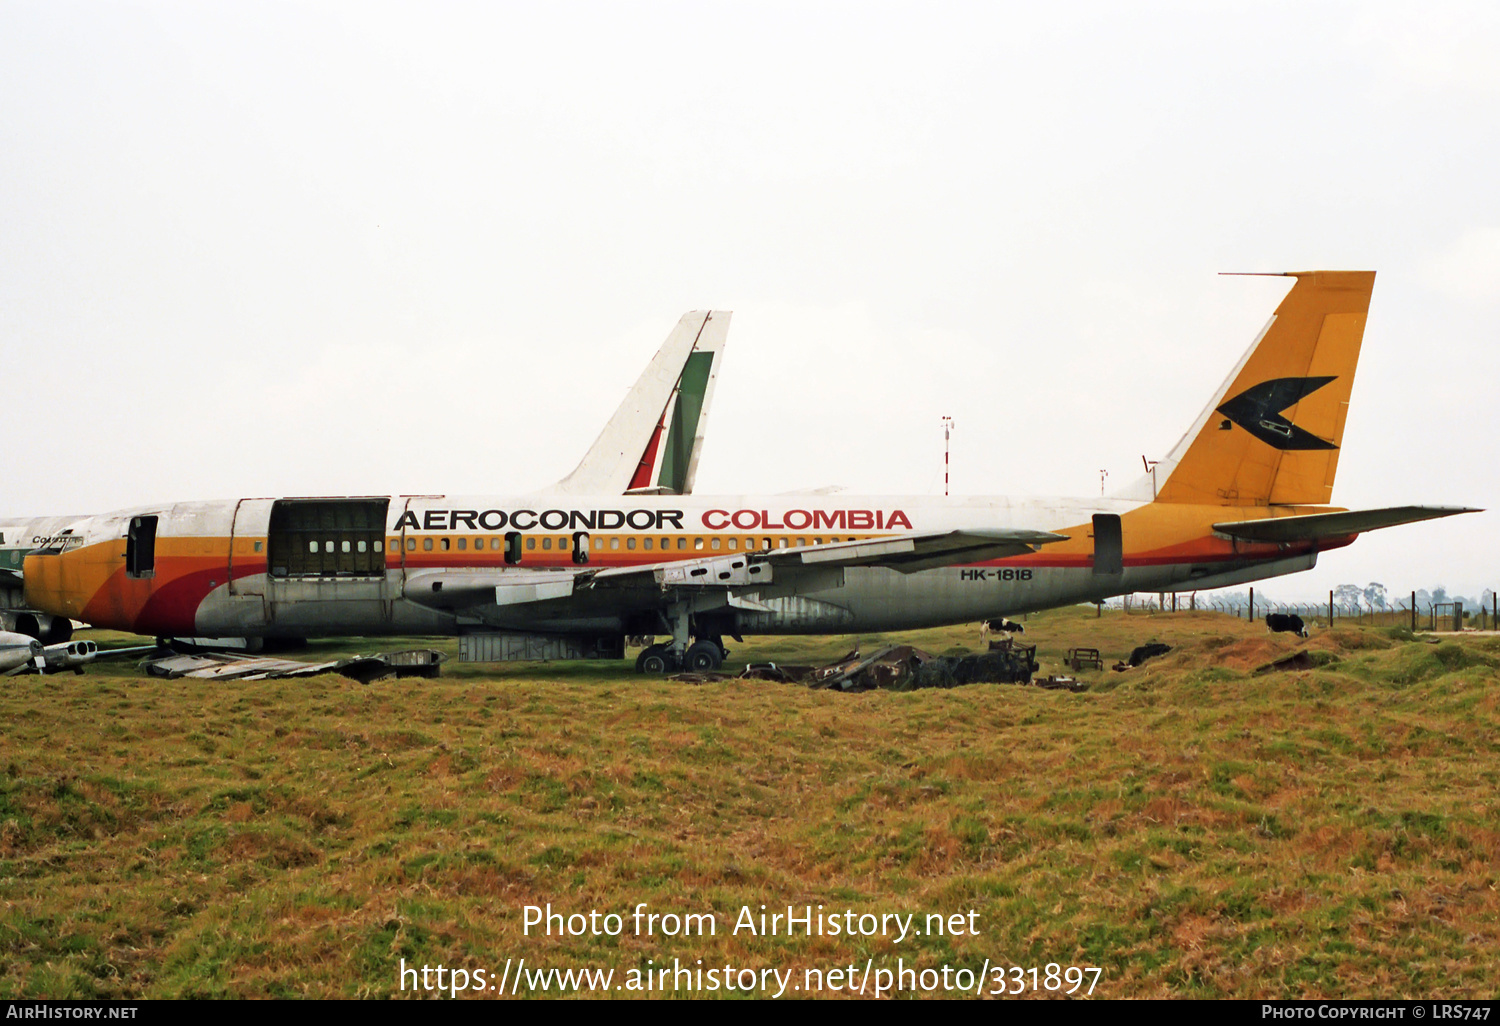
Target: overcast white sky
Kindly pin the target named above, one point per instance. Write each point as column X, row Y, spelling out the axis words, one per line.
column 269, row 249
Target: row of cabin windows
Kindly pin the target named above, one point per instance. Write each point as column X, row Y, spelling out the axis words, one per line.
column 511, row 546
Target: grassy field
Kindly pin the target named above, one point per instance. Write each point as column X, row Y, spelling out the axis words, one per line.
column 1188, row 827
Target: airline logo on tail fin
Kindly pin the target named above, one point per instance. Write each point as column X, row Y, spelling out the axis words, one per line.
column 1289, row 395
column 652, row 443
column 1259, row 409
column 670, row 460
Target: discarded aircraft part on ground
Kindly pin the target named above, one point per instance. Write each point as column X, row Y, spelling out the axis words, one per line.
column 507, row 647
column 688, row 677
column 20, row 653
column 224, row 666
column 1061, row 683
column 783, row 673
column 1012, row 665
column 70, row 655
column 1081, row 658
column 903, row 667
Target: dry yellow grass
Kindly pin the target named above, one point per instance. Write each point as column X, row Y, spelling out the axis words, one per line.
column 1186, row 827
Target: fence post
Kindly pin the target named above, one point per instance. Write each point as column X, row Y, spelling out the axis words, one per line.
column 1414, row 612
column 1250, row 609
column 1330, row 610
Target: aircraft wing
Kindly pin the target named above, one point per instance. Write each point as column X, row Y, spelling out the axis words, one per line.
column 909, row 553
column 1315, row 526
column 11, row 579
column 462, row 588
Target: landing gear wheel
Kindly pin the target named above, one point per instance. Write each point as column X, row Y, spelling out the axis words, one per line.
column 655, row 660
column 703, row 655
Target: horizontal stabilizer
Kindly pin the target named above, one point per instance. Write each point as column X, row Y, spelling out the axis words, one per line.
column 1315, row 526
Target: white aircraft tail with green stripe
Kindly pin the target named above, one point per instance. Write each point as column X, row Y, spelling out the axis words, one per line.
column 652, row 443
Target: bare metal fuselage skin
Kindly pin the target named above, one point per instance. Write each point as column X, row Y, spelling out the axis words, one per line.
column 211, row 576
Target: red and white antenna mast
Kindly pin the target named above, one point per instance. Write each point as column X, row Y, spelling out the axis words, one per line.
column 947, row 433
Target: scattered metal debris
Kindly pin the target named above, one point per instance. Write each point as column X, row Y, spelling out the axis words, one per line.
column 889, row 667
column 421, row 662
column 905, row 668
column 1061, row 683
column 699, row 678
column 1004, row 663
column 770, row 671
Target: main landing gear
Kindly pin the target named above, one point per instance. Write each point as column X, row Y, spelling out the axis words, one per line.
column 701, row 656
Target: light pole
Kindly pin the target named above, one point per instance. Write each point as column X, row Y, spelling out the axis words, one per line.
column 947, row 433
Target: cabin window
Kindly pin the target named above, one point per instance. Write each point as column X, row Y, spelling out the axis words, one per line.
column 411, row 545
column 614, row 543
column 598, row 543
column 630, row 543
column 547, row 544
column 463, row 543
column 258, row 546
column 140, row 547
column 426, row 544
column 713, row 543
column 562, row 545
column 344, row 546
column 495, row 543
column 648, row 543
column 682, row 543
column 531, row 543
